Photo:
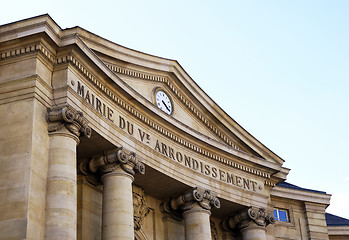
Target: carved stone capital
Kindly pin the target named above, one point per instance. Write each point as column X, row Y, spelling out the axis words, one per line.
column 68, row 117
column 196, row 196
column 112, row 160
column 247, row 217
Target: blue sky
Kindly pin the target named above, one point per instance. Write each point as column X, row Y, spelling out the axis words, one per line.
column 279, row 68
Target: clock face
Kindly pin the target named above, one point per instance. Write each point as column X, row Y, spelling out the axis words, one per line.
column 163, row 102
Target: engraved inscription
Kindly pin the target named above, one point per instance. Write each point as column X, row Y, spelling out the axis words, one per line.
column 168, row 150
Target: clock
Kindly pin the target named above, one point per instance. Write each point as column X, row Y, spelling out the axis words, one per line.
column 163, row 101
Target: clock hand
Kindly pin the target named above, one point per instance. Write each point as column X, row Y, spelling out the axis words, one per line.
column 166, row 105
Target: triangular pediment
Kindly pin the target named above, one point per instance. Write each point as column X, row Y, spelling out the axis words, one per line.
column 137, row 75
column 193, row 108
column 193, row 112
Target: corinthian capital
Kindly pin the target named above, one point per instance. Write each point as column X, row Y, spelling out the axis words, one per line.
column 186, row 201
column 73, row 120
column 110, row 161
column 243, row 219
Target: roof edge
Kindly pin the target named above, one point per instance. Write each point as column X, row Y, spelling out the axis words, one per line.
column 334, row 220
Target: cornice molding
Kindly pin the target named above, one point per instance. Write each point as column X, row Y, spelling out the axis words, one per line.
column 338, row 230
column 269, row 183
column 163, row 79
column 73, row 61
column 306, row 196
column 32, row 48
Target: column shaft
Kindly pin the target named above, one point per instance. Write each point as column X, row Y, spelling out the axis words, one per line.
column 117, row 222
column 61, row 210
column 253, row 232
column 197, row 224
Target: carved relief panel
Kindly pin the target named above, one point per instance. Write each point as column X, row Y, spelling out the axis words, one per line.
column 140, row 206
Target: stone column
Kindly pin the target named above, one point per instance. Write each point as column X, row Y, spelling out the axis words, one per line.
column 197, row 223
column 251, row 223
column 117, row 169
column 194, row 206
column 65, row 127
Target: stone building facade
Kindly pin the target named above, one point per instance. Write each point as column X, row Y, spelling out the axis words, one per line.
column 99, row 141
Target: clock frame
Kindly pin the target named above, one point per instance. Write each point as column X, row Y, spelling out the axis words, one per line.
column 163, row 101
